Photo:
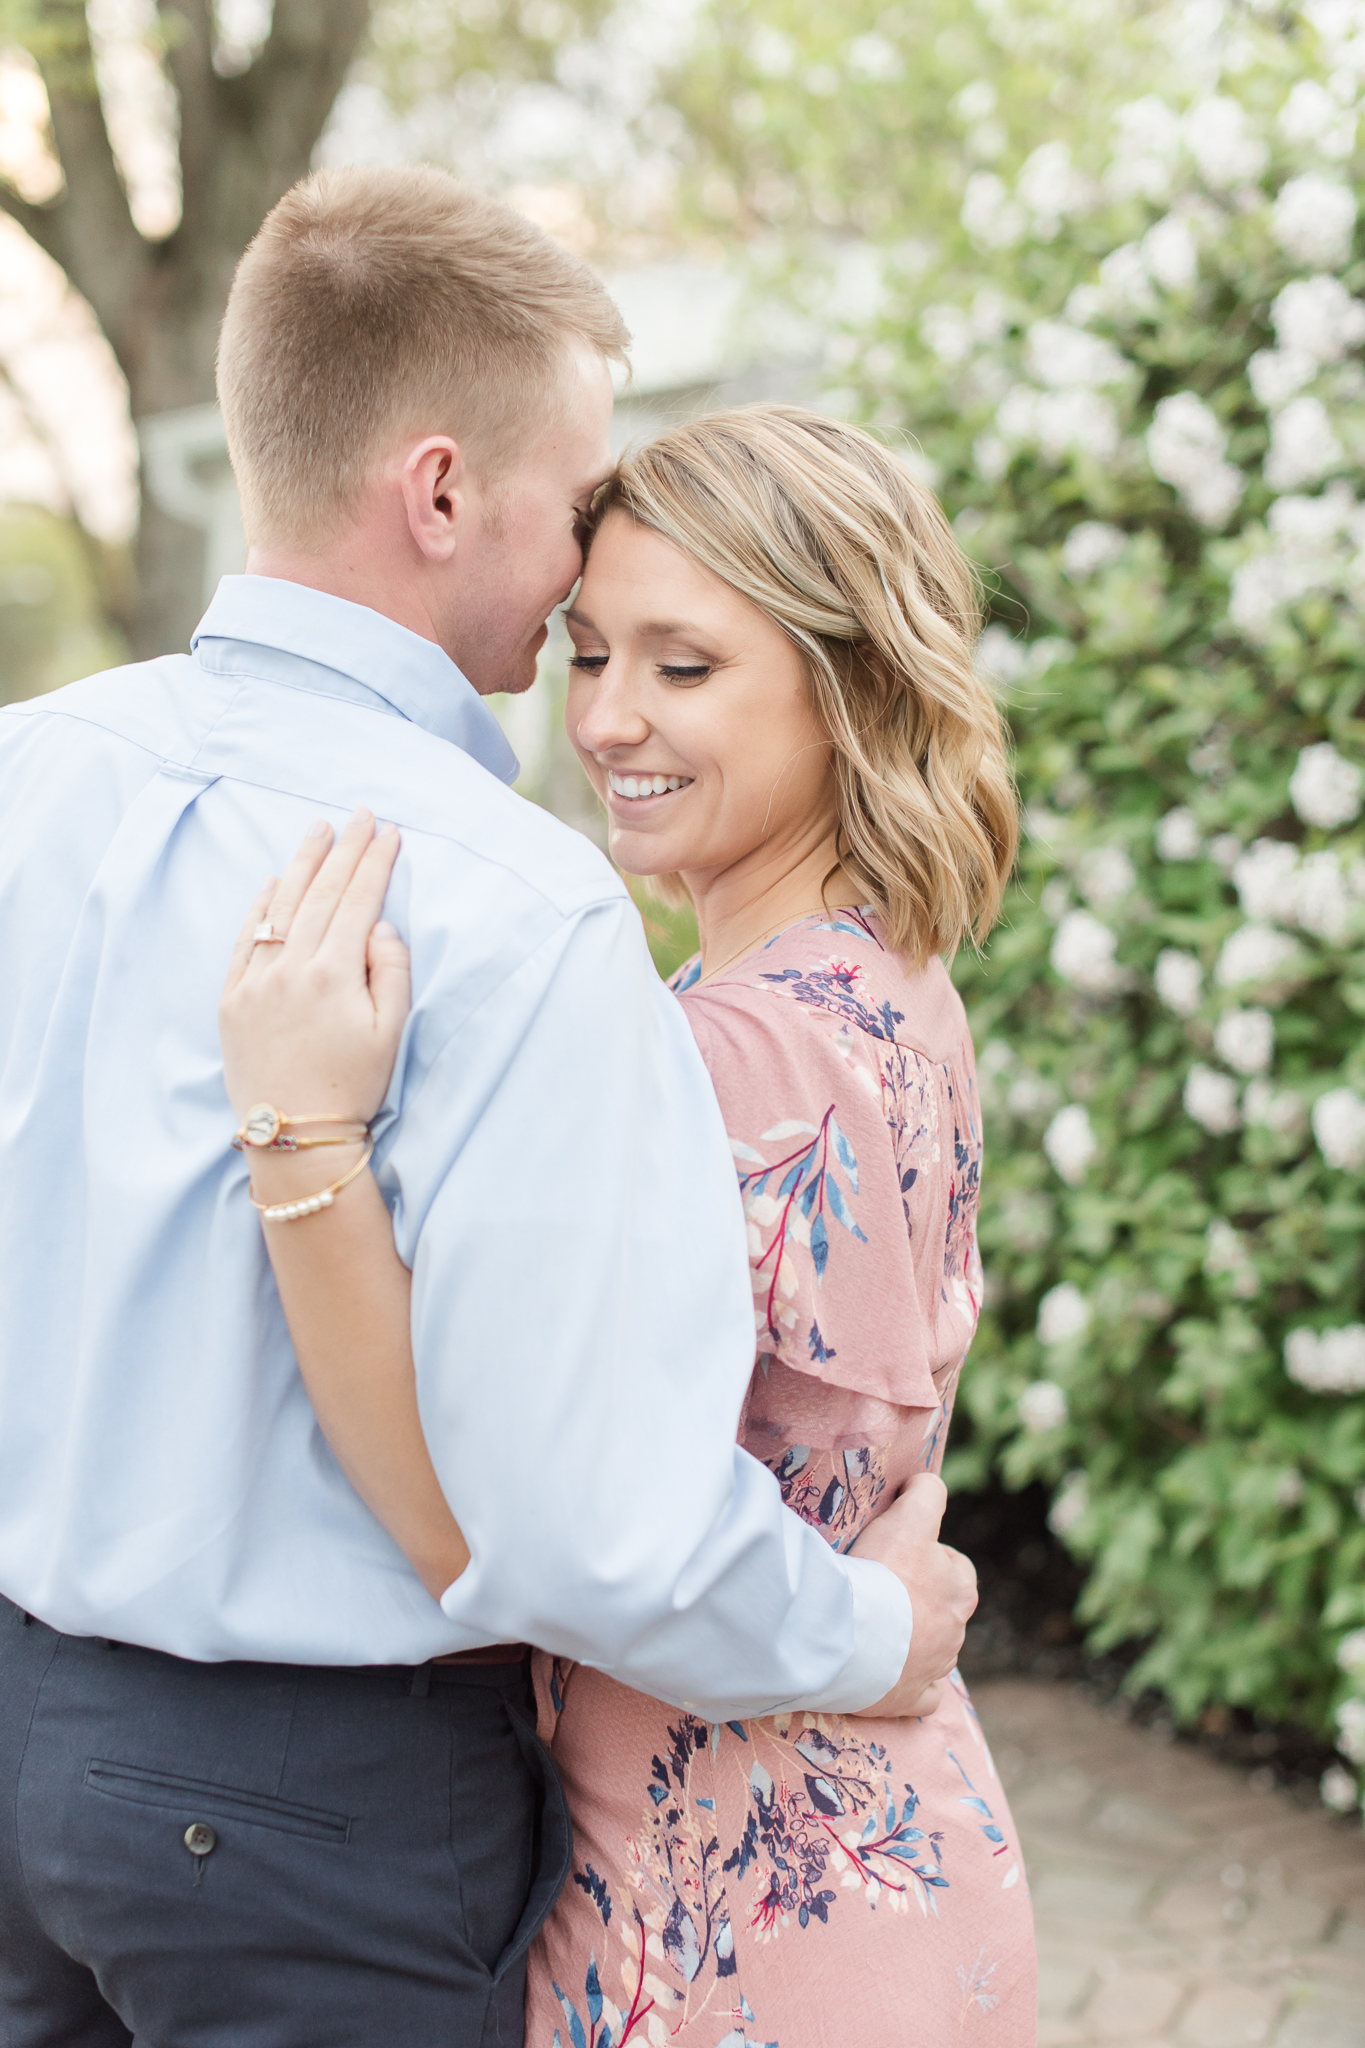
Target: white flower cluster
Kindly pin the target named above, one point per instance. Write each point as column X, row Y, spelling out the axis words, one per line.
column 1274, row 1109
column 1325, row 789
column 991, row 214
column 1312, row 117
column 954, row 333
column 1226, row 1253
column 1245, row 1039
column 1179, row 981
column 1070, row 1502
column 1339, row 1127
column 1063, row 1313
column 1058, row 423
column 1327, row 1361
column 1150, row 134
column 1311, row 544
column 1000, row 658
column 1351, row 1653
column 1351, row 1730
column 1289, row 1488
column 1338, row 1789
column 1104, row 876
column 1303, row 447
column 1070, row 1143
column 1052, row 189
column 1186, row 446
column 1177, row 835
column 1042, row 1407
column 1048, row 191
column 1316, row 321
column 1091, row 545
column 1256, row 954
column 1210, row 1098
column 1223, row 145
column 1030, row 1095
column 1083, row 954
column 1313, row 220
column 1314, row 891
column 1065, row 357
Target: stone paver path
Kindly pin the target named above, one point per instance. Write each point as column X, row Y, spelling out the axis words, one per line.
column 1177, row 1904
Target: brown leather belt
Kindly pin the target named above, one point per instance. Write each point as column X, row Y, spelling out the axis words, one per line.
column 490, row 1653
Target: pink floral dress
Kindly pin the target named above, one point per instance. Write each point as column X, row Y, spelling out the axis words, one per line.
column 810, row 1880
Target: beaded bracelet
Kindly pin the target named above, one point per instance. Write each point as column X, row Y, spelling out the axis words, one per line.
column 289, row 1212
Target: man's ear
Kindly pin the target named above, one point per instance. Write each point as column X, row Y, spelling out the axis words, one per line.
column 431, row 484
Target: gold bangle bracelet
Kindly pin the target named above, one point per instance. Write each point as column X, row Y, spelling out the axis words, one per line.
column 289, row 1212
column 263, row 1127
column 283, row 1144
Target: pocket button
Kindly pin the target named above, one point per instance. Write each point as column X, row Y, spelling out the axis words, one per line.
column 200, row 1838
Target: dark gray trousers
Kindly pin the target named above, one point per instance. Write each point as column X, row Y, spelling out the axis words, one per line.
column 377, row 1849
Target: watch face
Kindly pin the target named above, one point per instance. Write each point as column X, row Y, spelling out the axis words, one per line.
column 262, row 1125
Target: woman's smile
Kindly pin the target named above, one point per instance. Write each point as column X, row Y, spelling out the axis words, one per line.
column 641, row 791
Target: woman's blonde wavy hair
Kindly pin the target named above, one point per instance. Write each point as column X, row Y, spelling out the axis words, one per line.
column 828, row 533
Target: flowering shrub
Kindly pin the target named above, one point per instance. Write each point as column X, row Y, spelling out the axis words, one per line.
column 1137, row 388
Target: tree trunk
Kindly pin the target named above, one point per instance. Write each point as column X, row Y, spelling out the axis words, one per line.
column 244, row 141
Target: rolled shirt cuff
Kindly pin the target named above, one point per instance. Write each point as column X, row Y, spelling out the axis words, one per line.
column 883, row 1622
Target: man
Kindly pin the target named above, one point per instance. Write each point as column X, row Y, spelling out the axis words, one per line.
column 241, row 1797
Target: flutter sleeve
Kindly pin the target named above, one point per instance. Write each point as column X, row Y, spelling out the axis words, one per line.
column 846, row 1247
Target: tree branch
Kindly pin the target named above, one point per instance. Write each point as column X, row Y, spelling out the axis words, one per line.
column 189, row 59
column 291, row 88
column 99, row 247
column 42, row 224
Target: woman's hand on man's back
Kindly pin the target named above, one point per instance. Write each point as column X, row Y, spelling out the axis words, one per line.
column 312, row 1024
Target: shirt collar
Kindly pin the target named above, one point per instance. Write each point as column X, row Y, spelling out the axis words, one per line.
column 338, row 639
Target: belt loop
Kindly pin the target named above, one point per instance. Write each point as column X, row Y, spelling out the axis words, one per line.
column 421, row 1682
column 28, row 1620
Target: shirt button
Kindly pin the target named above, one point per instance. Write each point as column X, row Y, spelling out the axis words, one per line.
column 200, row 1838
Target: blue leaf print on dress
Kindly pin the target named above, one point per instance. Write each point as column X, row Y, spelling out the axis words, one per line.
column 833, row 987
column 819, row 1249
column 680, row 1942
column 593, row 1988
column 972, row 1799
column 577, row 2037
column 845, row 1154
column 819, row 1350
column 588, row 1881
column 807, row 1185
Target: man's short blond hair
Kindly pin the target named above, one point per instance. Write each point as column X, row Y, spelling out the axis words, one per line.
column 375, row 304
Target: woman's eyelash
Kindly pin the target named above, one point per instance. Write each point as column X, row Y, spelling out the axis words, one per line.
column 692, row 672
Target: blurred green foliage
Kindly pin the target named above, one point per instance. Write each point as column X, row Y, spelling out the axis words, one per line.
column 1176, row 597
column 52, row 624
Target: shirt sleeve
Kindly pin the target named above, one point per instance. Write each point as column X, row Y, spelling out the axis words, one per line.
column 563, row 1192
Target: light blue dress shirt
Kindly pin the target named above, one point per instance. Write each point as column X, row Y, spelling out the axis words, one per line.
column 551, row 1150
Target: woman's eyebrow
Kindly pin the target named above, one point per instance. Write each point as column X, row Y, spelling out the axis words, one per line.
column 647, row 629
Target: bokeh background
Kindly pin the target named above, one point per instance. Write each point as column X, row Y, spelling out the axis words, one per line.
column 1094, row 268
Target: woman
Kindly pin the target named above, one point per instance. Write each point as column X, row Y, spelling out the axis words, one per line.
column 772, row 692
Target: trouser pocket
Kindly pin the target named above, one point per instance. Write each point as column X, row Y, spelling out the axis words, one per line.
column 219, row 1802
column 553, row 1849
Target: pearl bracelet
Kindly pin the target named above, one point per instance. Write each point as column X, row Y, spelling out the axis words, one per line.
column 289, row 1212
